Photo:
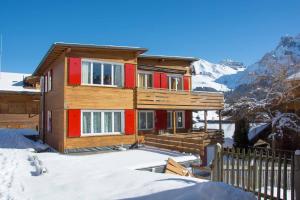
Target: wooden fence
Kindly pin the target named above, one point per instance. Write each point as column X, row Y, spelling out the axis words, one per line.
column 267, row 173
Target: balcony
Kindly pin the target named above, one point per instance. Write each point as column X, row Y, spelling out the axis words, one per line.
column 178, row 100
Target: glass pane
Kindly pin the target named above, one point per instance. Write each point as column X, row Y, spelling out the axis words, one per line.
column 107, row 122
column 179, row 119
column 169, row 119
column 86, row 122
column 107, row 74
column 149, row 120
column 142, row 120
column 96, row 73
column 173, row 83
column 118, row 75
column 179, row 83
column 149, row 81
column 86, row 72
column 142, row 80
column 117, row 122
column 97, row 122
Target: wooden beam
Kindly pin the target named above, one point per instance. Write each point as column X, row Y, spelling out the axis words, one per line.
column 220, row 121
column 205, row 120
column 174, row 122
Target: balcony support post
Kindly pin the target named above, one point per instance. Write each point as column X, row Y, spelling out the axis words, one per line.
column 205, row 120
column 220, row 120
column 174, row 122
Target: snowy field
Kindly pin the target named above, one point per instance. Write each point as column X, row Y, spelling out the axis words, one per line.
column 97, row 176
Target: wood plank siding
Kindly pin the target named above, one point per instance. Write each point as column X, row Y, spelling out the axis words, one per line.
column 166, row 99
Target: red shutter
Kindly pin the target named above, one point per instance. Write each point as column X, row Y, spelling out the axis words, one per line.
column 186, row 83
column 130, row 75
column 160, row 119
column 74, row 71
column 163, row 81
column 156, row 78
column 74, row 123
column 188, row 119
column 129, row 122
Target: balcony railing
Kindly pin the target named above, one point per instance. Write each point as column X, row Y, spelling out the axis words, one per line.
column 187, row 100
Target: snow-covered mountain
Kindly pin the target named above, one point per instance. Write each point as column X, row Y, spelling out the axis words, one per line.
column 205, row 74
column 287, row 53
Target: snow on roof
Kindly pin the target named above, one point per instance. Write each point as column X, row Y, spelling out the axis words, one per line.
column 13, row 82
column 256, row 130
column 294, row 77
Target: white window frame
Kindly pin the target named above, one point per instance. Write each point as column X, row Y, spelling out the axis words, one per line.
column 175, row 76
column 102, row 123
column 102, row 74
column 49, row 75
column 146, row 79
column 146, row 111
column 183, row 119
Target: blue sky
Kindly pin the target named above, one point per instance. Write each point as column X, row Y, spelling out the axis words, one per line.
column 212, row 30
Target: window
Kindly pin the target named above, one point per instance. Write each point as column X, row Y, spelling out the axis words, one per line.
column 146, row 120
column 97, row 122
column 46, row 83
column 145, row 80
column 179, row 119
column 175, row 82
column 49, row 121
column 100, row 73
column 49, row 75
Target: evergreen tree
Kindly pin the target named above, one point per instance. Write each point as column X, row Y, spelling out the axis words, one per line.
column 240, row 136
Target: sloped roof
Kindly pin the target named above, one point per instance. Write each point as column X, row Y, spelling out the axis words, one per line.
column 13, row 82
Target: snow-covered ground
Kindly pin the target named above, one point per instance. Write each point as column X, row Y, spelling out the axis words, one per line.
column 97, row 176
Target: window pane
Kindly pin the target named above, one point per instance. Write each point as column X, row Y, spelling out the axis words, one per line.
column 107, row 74
column 86, row 72
column 149, row 81
column 86, row 122
column 118, row 75
column 149, row 120
column 142, row 80
column 142, row 120
column 179, row 119
column 173, row 83
column 179, row 83
column 96, row 73
column 169, row 119
column 117, row 122
column 107, row 122
column 97, row 122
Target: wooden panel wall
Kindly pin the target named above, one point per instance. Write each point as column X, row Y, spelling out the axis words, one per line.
column 15, row 103
column 30, row 121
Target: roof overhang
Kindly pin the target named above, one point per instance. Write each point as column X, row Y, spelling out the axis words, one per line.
column 173, row 58
column 59, row 48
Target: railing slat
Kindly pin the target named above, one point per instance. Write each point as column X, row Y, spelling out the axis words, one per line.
column 248, row 170
column 279, row 175
column 238, row 168
column 284, row 176
column 254, row 171
column 243, row 169
column 260, row 173
column 292, row 176
column 272, row 174
column 266, row 175
column 232, row 167
column 227, row 165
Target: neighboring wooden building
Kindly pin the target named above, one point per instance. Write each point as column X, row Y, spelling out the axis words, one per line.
column 97, row 96
column 19, row 101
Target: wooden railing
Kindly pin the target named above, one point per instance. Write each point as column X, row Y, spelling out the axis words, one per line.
column 166, row 99
column 268, row 174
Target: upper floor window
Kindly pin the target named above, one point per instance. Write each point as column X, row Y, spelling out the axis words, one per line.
column 101, row 73
column 175, row 82
column 145, row 80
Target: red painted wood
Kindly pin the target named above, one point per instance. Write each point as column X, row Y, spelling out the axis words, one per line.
column 186, row 83
column 160, row 119
column 74, row 123
column 156, row 80
column 130, row 71
column 74, row 75
column 163, row 81
column 129, row 122
column 188, row 119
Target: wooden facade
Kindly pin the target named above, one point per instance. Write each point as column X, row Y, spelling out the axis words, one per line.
column 68, row 97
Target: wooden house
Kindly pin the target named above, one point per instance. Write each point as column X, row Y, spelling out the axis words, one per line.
column 104, row 96
column 19, row 101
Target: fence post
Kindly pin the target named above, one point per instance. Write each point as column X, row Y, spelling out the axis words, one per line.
column 297, row 174
column 216, row 168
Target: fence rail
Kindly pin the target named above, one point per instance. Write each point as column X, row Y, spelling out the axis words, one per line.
column 267, row 173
